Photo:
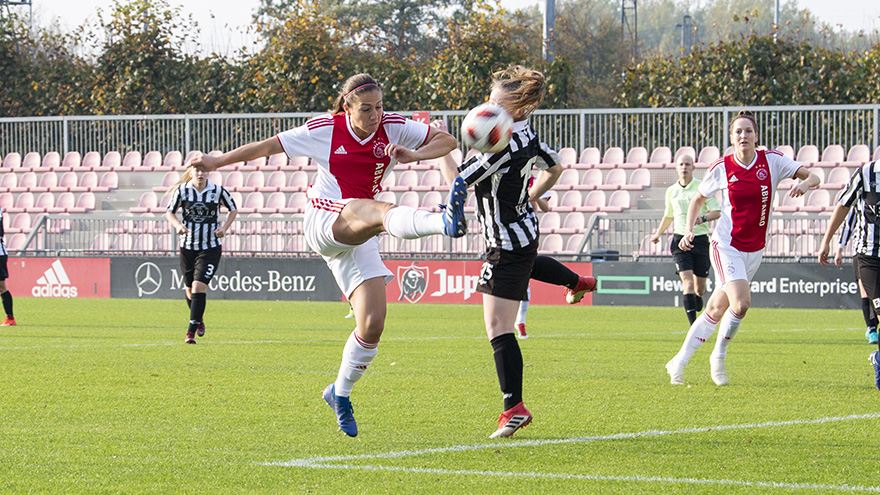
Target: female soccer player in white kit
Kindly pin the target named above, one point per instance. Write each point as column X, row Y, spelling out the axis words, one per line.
column 355, row 146
column 747, row 180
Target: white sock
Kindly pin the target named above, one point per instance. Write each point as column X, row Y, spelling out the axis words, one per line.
column 521, row 315
column 701, row 330
column 410, row 223
column 729, row 325
column 356, row 357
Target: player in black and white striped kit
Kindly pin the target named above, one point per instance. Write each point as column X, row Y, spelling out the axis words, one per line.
column 510, row 230
column 200, row 238
column 5, row 295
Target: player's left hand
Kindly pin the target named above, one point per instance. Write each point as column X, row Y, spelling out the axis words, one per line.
column 823, row 254
column 219, row 233
column 799, row 189
column 400, row 153
column 440, row 124
column 687, row 242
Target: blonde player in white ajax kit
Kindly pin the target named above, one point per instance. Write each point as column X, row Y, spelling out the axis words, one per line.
column 355, row 146
column 747, row 180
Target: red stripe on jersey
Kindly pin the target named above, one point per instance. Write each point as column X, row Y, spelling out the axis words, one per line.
column 715, row 164
column 321, row 121
column 774, row 152
column 716, row 256
column 326, row 204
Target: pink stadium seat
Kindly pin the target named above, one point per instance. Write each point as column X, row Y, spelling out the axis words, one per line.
column 27, row 182
column 615, row 179
column 569, row 179
column 574, row 223
column 148, row 201
column 51, row 161
column 808, row 155
column 410, row 245
column 819, row 200
column 685, row 150
column 67, row 181
column 408, row 181
column 589, row 158
column 255, row 181
column 86, row 200
column 431, row 201
column 660, row 157
column 173, row 159
column 431, row 179
column 48, row 181
column 45, row 203
column 276, row 181
column 640, row 179
column 570, row 201
column 410, row 198
column 234, row 180
column 568, row 157
column 594, row 201
column 456, row 156
column 72, row 159
column 573, row 244
column 276, row 202
column 786, row 150
column 144, row 243
column 255, row 164
column 552, row 202
column 132, row 161
column 619, row 201
column 550, row 222
column 876, row 154
column 253, row 202
column 591, row 180
column 612, row 158
column 778, row 245
column 169, row 179
column 300, row 163
column 8, row 181
column 277, row 161
column 833, row 156
column 16, row 242
column 299, row 181
column 637, row 156
column 389, row 181
column 65, row 201
column 12, row 161
column 820, row 172
column 112, row 160
column 728, row 151
column 708, row 155
column 24, row 202
column 275, row 243
column 88, row 180
column 90, row 161
column 858, row 155
column 21, row 223
column 788, row 204
column 387, row 196
column 152, row 160
column 7, row 201
column 31, row 160
column 837, row 178
column 297, row 202
column 552, row 243
column 110, row 180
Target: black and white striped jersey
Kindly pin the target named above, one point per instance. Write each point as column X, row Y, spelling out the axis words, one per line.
column 200, row 213
column 501, row 187
column 863, row 195
column 2, row 233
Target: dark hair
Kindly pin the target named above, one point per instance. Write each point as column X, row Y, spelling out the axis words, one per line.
column 745, row 114
column 524, row 88
column 354, row 85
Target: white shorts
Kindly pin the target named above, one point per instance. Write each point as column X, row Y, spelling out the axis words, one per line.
column 732, row 264
column 351, row 265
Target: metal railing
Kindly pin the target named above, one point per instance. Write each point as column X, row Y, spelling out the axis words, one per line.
column 795, row 126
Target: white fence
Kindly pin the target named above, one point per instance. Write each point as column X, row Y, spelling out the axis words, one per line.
column 795, row 126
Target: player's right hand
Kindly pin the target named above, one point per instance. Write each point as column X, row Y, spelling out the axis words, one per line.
column 687, row 242
column 201, row 161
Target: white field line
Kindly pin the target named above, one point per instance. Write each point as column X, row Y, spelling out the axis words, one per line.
column 332, row 462
column 384, row 339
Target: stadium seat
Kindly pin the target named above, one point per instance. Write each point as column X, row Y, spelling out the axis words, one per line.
column 551, row 244
column 805, row 245
column 833, row 156
column 778, row 245
column 591, row 180
column 65, row 202
column 571, row 201
column 431, row 201
column 876, row 154
column 594, row 201
column 618, row 201
column 131, row 162
column 91, row 160
column 819, row 172
column 51, row 161
column 410, row 198
column 708, row 155
column 786, row 184
column 858, row 155
column 661, row 157
column 277, row 181
column 786, row 150
column 637, row 156
column 169, row 179
column 24, row 202
column 640, row 179
column 837, row 178
column 573, row 244
column 278, row 161
column 110, row 181
column 111, row 160
column 615, row 179
column 808, row 155
column 148, row 201
column 123, row 242
column 88, row 181
column 234, row 181
column 254, row 165
column 253, row 202
column 550, row 222
column 31, row 160
column 819, row 200
column 299, row 181
column 789, row 204
column 299, row 163
column 48, row 182
column 215, row 176
column 685, row 150
column 86, row 200
column 7, row 201
column 568, row 157
column 21, row 223
column 144, row 243
column 255, row 181
column 8, row 181
column 554, row 199
column 26, row 182
column 45, row 203
column 612, row 158
column 297, row 202
column 728, row 151
column 173, row 159
column 67, row 181
column 16, row 242
column 408, row 181
column 252, row 244
column 569, row 179
column 574, row 223
column 387, row 196
column 589, row 158
column 152, row 161
column 12, row 161
column 456, row 156
column 389, row 181
column 431, row 179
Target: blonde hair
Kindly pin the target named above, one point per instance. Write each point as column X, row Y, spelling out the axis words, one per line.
column 523, row 89
column 354, row 86
column 184, row 178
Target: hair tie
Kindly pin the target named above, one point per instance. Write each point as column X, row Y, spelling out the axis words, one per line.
column 357, row 88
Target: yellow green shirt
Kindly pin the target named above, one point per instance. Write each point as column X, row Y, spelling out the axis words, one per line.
column 678, row 199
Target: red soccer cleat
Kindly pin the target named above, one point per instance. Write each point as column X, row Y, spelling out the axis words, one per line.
column 511, row 420
column 200, row 331
column 190, row 338
column 585, row 284
column 8, row 322
column 521, row 331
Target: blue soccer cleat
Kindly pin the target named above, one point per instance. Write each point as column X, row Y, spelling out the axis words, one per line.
column 871, row 336
column 344, row 412
column 875, row 362
column 453, row 218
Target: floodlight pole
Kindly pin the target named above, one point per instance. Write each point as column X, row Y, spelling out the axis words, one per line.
column 549, row 30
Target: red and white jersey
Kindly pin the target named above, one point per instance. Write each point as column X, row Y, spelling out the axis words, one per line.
column 350, row 167
column 746, row 196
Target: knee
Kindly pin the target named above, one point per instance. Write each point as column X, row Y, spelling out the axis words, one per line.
column 741, row 307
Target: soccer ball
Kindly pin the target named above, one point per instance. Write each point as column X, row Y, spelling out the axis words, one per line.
column 487, row 128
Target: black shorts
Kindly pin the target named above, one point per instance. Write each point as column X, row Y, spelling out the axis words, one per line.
column 697, row 259
column 856, row 267
column 868, row 268
column 505, row 274
column 4, row 272
column 199, row 265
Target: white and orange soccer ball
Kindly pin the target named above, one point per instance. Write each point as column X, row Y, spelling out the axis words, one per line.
column 487, row 128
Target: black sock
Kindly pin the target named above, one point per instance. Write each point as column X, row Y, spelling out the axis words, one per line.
column 196, row 311
column 551, row 271
column 699, row 301
column 690, row 307
column 7, row 303
column 868, row 314
column 509, row 366
column 189, row 302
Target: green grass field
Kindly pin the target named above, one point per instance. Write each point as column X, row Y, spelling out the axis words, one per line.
column 102, row 396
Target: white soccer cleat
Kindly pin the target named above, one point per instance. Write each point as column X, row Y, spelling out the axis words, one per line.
column 676, row 372
column 719, row 370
